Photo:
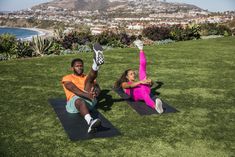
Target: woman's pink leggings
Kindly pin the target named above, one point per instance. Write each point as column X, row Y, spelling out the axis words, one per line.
column 142, row 92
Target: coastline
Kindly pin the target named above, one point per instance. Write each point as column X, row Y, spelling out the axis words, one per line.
column 41, row 32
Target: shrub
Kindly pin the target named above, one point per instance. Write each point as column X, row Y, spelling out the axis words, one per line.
column 208, row 29
column 112, row 39
column 74, row 40
column 177, row 32
column 224, row 30
column 69, row 39
column 192, row 32
column 24, row 49
column 84, row 37
column 67, row 51
column 55, row 48
column 40, row 46
column 116, row 43
column 162, row 42
column 84, row 48
column 125, row 39
column 215, row 29
column 156, row 33
column 8, row 46
column 106, row 37
column 75, row 37
column 233, row 31
column 59, row 32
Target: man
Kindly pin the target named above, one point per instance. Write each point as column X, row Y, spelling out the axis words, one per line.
column 81, row 90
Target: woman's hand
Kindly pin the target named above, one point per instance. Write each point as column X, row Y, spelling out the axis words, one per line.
column 150, row 82
column 134, row 84
column 146, row 81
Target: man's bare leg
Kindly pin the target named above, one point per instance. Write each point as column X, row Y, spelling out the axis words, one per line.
column 89, row 84
column 83, row 109
column 97, row 61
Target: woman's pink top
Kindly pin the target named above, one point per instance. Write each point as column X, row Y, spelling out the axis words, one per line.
column 128, row 90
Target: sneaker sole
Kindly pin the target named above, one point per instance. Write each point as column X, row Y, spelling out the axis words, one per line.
column 138, row 44
column 94, row 126
column 100, row 59
column 98, row 55
column 158, row 107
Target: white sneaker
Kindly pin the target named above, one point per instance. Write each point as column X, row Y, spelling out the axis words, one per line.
column 98, row 54
column 93, row 125
column 139, row 44
column 158, row 105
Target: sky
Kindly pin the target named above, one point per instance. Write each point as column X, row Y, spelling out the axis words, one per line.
column 210, row 5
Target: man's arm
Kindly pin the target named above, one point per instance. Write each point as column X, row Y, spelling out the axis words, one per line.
column 97, row 90
column 74, row 89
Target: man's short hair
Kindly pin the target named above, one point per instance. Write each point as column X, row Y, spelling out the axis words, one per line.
column 76, row 60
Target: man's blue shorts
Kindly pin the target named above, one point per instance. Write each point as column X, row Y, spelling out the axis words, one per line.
column 71, row 108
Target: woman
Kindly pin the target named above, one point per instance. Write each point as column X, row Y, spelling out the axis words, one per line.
column 139, row 90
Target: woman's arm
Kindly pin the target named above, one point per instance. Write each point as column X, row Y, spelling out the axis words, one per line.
column 150, row 82
column 133, row 84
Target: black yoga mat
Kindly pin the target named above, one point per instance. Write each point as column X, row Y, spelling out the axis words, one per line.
column 75, row 125
column 141, row 107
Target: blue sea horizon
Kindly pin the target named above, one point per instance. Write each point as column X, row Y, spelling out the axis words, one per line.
column 20, row 33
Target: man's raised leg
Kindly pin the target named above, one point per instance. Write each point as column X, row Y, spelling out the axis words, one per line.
column 89, row 83
column 97, row 61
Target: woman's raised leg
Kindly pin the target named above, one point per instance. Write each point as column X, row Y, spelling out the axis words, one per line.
column 142, row 58
column 142, row 66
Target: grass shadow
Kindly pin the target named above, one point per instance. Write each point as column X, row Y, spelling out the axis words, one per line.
column 106, row 101
column 156, row 85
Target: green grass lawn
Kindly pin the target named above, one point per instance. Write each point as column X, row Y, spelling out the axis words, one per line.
column 198, row 79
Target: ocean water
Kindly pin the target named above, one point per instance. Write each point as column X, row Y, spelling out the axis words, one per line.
column 20, row 33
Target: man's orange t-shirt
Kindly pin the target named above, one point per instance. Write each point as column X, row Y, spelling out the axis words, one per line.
column 79, row 81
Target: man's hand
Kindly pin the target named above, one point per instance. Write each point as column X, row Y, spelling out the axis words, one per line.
column 90, row 95
column 73, row 88
column 95, row 90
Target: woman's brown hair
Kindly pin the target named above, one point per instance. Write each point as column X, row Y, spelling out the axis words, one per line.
column 122, row 79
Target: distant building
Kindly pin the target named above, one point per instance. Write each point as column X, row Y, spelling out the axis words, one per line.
column 135, row 27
